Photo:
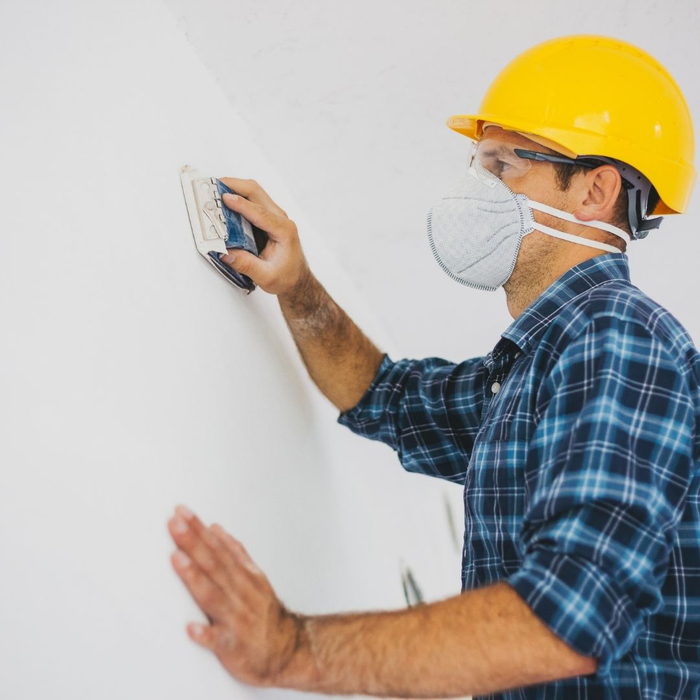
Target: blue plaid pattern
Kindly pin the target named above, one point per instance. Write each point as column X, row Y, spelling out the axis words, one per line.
column 577, row 443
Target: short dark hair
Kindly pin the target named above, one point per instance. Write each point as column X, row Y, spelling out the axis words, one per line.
column 566, row 171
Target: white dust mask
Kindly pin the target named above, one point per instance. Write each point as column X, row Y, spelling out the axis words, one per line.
column 476, row 229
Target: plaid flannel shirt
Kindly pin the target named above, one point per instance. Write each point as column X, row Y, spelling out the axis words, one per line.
column 577, row 443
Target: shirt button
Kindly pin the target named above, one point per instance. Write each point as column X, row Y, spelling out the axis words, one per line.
column 495, row 387
column 517, row 354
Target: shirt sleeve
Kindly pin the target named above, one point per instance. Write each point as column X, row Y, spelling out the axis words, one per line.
column 427, row 410
column 608, row 472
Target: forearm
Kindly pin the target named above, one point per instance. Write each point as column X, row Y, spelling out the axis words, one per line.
column 340, row 359
column 479, row 642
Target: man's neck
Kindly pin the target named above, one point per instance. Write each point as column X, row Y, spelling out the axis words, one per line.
column 525, row 285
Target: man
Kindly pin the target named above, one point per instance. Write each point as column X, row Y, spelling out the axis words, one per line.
column 576, row 439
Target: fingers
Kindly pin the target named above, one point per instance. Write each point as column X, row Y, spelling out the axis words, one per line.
column 277, row 226
column 206, row 593
column 237, row 550
column 252, row 191
column 249, row 581
column 248, row 264
column 215, row 567
column 282, row 264
column 206, row 552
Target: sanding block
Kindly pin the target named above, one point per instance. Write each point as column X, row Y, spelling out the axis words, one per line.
column 216, row 228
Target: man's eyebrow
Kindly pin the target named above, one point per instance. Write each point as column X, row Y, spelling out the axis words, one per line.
column 496, row 146
column 497, row 150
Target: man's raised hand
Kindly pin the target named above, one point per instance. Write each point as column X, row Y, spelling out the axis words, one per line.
column 281, row 265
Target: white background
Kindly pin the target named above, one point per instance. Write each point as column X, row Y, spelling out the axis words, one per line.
column 134, row 377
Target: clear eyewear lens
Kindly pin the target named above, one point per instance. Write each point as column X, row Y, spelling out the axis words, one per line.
column 499, row 159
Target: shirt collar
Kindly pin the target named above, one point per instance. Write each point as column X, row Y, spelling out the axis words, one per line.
column 527, row 328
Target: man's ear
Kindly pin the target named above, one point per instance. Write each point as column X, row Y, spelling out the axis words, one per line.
column 599, row 190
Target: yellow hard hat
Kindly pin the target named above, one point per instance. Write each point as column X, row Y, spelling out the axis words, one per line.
column 593, row 95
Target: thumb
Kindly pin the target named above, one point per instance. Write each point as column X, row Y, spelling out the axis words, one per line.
column 214, row 637
column 246, row 263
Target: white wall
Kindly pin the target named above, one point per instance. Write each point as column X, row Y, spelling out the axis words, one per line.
column 350, row 99
column 126, row 363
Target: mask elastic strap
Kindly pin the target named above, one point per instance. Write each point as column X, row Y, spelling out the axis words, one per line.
column 570, row 217
column 574, row 239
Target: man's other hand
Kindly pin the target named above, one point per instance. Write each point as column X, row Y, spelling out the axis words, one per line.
column 251, row 632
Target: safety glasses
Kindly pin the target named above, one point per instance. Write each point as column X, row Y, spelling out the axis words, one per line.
column 508, row 163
